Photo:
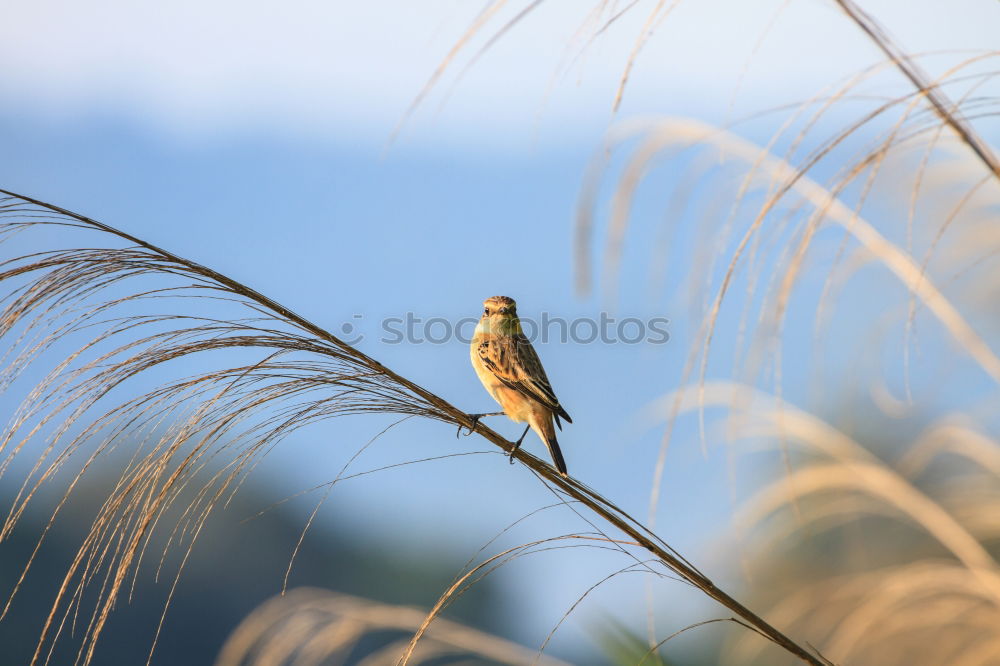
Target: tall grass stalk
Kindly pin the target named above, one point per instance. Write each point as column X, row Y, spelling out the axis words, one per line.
column 305, row 373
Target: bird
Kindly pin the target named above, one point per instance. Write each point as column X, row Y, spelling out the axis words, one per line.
column 511, row 372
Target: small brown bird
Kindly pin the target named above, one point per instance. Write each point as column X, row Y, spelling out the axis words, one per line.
column 509, row 368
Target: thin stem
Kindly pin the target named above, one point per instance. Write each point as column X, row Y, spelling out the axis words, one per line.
column 943, row 106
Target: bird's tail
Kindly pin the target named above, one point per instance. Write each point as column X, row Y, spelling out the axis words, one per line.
column 557, row 458
column 547, row 433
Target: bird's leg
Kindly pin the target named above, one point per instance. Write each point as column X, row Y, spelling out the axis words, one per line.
column 517, row 444
column 475, row 420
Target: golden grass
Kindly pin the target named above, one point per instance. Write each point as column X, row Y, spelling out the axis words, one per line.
column 213, row 427
column 943, row 603
column 940, row 607
column 310, row 627
column 765, row 236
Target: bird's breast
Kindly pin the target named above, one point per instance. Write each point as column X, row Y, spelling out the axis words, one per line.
column 489, row 380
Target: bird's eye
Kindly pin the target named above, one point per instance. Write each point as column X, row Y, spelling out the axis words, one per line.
column 486, row 311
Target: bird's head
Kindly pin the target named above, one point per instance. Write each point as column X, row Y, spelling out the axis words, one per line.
column 500, row 315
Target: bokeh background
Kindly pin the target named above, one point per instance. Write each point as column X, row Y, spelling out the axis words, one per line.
column 285, row 146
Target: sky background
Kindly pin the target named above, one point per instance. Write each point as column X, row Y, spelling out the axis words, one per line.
column 275, row 145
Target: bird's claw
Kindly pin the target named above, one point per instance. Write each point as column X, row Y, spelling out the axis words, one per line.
column 475, row 422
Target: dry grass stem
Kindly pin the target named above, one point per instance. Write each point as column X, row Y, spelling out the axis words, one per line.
column 262, row 374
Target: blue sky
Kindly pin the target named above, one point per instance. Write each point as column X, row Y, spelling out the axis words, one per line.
column 258, row 142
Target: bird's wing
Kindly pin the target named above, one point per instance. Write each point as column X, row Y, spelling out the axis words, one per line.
column 513, row 361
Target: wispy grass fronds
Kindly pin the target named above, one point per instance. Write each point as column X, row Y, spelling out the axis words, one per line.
column 597, row 18
column 91, row 305
column 927, row 611
column 837, row 466
column 311, row 627
column 476, row 573
column 943, row 107
column 922, row 576
column 772, row 228
column 252, row 371
column 900, row 198
column 784, row 183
